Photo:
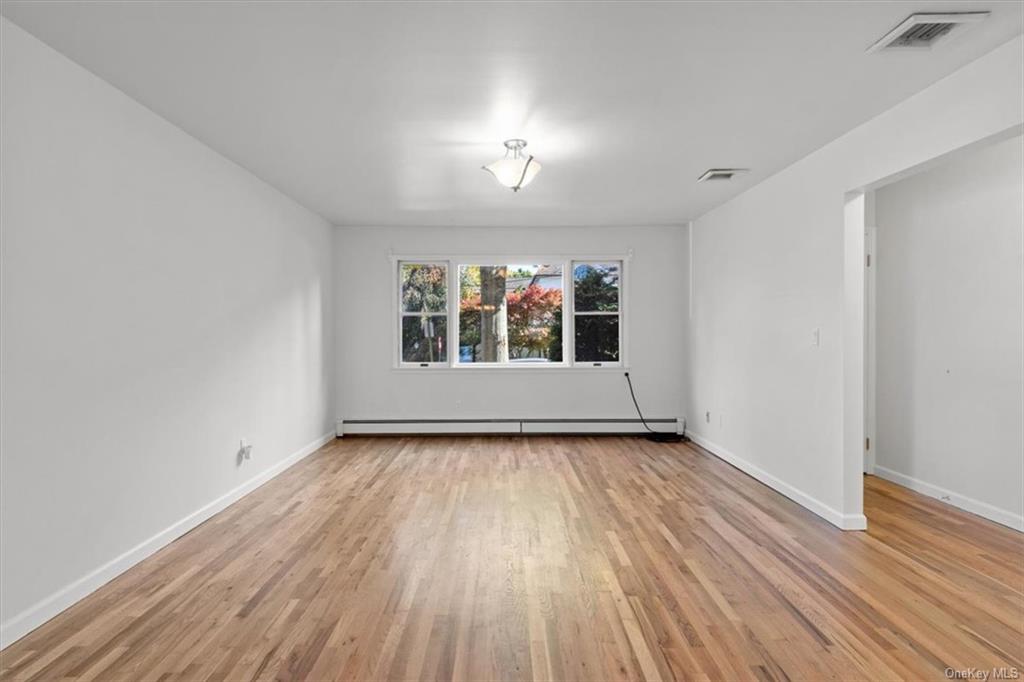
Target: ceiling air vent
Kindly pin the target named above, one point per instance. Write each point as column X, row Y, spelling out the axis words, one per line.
column 922, row 31
column 720, row 174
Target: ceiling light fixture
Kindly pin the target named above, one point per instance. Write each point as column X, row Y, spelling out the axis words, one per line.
column 517, row 169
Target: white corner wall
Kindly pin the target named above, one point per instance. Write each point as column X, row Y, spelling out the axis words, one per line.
column 950, row 332
column 368, row 386
column 159, row 303
column 768, row 271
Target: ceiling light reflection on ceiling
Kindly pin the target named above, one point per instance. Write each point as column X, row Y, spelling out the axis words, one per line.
column 517, row 169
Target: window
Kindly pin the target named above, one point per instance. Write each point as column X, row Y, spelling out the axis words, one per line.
column 510, row 313
column 424, row 313
column 596, row 312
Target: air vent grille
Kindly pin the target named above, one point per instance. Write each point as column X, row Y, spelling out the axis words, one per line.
column 922, row 31
column 720, row 174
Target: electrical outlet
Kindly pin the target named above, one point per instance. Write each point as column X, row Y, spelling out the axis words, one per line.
column 707, row 417
column 244, row 450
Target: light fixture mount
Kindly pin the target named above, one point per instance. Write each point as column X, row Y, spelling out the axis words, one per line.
column 517, row 169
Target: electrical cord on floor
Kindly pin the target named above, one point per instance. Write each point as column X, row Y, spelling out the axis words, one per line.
column 656, row 436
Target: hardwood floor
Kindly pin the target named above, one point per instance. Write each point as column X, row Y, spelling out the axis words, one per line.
column 546, row 558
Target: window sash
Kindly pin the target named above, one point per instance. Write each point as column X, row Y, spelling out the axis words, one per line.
column 618, row 312
column 618, row 344
column 402, row 313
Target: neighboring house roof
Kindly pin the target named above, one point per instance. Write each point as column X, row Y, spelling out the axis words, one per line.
column 547, row 276
column 551, row 279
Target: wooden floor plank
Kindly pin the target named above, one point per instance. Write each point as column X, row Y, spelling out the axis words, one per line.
column 548, row 558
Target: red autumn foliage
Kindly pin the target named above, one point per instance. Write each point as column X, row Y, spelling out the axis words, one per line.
column 532, row 314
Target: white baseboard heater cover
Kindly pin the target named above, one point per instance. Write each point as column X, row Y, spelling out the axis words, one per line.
column 505, row 426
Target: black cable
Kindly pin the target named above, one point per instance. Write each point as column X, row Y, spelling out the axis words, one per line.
column 656, row 436
column 637, row 405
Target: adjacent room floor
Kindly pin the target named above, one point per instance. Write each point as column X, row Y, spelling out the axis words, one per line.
column 546, row 558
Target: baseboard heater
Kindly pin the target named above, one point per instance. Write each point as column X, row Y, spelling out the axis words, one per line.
column 505, row 426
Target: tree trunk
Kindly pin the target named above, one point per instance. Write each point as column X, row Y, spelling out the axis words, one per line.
column 493, row 314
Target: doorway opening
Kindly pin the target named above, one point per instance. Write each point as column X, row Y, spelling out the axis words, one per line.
column 933, row 319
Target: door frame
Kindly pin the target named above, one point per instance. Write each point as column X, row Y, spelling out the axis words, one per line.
column 858, row 365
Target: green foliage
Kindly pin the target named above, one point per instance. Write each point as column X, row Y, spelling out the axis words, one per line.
column 469, row 322
column 520, row 273
column 554, row 351
column 424, row 338
column 597, row 338
column 596, row 287
column 469, row 281
column 424, row 287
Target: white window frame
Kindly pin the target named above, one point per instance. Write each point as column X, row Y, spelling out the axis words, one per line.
column 620, row 313
column 490, row 260
column 397, row 280
column 453, row 263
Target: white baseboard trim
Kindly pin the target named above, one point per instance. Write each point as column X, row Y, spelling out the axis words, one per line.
column 833, row 516
column 437, row 427
column 21, row 624
column 968, row 504
column 503, row 426
column 597, row 427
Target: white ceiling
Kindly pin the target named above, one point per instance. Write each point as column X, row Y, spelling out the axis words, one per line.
column 383, row 113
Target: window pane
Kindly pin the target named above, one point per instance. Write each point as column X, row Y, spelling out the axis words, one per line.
column 596, row 287
column 424, row 288
column 424, row 338
column 597, row 338
column 510, row 313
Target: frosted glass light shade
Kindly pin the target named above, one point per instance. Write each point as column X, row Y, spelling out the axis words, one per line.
column 516, row 170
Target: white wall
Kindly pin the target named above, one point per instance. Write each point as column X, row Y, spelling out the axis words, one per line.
column 950, row 339
column 369, row 387
column 159, row 303
column 769, row 270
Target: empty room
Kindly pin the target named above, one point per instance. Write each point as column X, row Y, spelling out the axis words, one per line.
column 511, row 340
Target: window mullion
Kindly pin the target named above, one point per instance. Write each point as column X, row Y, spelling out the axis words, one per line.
column 568, row 314
column 454, row 296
